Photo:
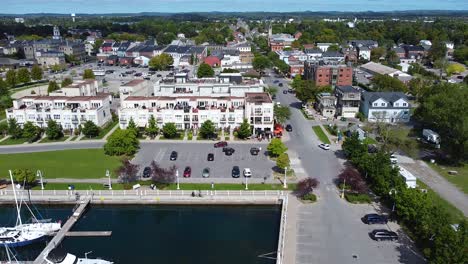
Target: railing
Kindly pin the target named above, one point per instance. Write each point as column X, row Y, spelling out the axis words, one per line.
column 282, row 234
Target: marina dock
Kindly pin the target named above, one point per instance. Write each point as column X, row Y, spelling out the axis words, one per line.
column 88, row 234
column 63, row 231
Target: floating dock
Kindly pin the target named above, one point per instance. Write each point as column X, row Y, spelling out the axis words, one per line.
column 63, row 231
column 88, row 234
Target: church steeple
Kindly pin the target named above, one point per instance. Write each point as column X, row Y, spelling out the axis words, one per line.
column 56, row 33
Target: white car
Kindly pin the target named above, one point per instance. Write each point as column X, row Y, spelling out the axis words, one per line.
column 324, row 146
column 393, row 159
column 247, row 172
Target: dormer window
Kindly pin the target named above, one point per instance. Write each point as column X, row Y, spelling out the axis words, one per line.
column 375, row 104
column 382, row 104
column 405, row 104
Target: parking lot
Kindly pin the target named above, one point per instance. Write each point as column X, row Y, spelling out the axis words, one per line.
column 195, row 156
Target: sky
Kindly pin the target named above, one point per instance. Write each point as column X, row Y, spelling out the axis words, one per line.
column 175, row 6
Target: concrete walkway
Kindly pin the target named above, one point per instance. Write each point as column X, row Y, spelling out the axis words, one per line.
column 110, row 132
column 439, row 184
column 5, row 138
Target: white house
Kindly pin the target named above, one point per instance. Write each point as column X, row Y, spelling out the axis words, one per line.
column 388, row 107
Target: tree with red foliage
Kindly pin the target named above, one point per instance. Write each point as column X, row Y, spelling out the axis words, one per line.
column 353, row 179
column 128, row 172
column 306, row 186
column 161, row 175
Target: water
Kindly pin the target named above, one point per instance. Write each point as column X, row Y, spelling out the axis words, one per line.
column 174, row 6
column 168, row 234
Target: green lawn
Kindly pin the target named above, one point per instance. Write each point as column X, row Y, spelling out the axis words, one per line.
column 81, row 163
column 103, row 131
column 460, row 180
column 369, row 141
column 2, row 114
column 11, row 141
column 455, row 215
column 320, row 134
column 46, row 140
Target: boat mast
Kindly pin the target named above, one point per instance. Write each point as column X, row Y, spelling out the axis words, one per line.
column 16, row 200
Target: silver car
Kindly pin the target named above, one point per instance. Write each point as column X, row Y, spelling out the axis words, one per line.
column 206, row 173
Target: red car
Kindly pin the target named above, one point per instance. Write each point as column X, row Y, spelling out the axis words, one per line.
column 187, row 172
column 220, row 144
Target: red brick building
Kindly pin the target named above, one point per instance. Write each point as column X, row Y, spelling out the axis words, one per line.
column 334, row 75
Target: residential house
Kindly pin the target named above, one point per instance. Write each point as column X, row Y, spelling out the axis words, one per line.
column 348, row 100
column 388, row 107
column 50, row 58
column 213, row 61
column 326, row 105
column 313, row 53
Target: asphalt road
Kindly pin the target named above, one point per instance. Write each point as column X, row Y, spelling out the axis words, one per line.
column 195, row 155
column 331, row 230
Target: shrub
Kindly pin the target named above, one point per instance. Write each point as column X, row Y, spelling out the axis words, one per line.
column 358, row 198
column 310, row 197
column 306, row 186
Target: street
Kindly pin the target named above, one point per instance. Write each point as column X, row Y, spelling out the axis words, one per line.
column 331, row 231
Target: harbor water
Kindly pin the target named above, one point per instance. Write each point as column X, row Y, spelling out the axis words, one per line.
column 166, row 234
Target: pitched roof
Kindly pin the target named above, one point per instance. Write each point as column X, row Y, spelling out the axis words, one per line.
column 390, row 97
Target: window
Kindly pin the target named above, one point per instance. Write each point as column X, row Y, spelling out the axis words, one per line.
column 375, row 104
column 31, row 117
column 142, row 117
column 396, row 104
column 382, row 104
column 56, row 117
column 405, row 104
column 267, row 119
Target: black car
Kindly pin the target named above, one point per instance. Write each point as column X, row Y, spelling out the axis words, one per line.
column 235, row 172
column 375, row 219
column 273, row 97
column 228, row 151
column 288, row 128
column 210, row 157
column 254, row 151
column 383, row 234
column 280, row 85
column 146, row 172
column 173, row 155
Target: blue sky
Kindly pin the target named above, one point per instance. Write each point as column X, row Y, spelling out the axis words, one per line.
column 173, row 6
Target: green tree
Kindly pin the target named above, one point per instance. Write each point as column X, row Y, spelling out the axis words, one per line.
column 377, row 53
column 353, row 148
column 437, row 51
column 122, row 142
column 66, row 82
column 14, row 130
column 132, row 127
column 271, row 90
column 24, row 176
column 283, row 161
column 97, row 44
column 23, row 75
column 161, row 62
column 56, row 67
column 90, row 129
column 392, row 57
column 245, row 130
column 10, row 78
column 260, row 63
column 207, row 129
column 386, row 83
column 460, row 54
column 169, row 130
column 31, row 132
column 36, row 72
column 441, row 109
column 281, row 113
column 333, row 47
column 3, row 87
column 282, row 66
column 276, row 147
column 53, row 86
column 454, row 68
column 152, row 129
column 88, row 74
column 205, row 70
column 53, row 130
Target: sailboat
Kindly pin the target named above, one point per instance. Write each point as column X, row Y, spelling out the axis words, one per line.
column 28, row 233
column 57, row 256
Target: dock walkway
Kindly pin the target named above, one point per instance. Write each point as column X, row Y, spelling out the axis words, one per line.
column 63, row 231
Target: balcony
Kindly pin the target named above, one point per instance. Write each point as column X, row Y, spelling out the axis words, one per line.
column 75, row 120
column 232, row 119
column 123, row 121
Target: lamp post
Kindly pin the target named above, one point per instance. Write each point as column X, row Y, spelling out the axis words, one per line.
column 39, row 174
column 109, row 176
column 246, row 184
column 285, row 185
column 344, row 185
column 177, row 178
column 393, row 192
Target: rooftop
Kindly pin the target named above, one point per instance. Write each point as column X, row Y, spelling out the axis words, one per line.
column 258, row 98
column 134, row 82
column 378, row 68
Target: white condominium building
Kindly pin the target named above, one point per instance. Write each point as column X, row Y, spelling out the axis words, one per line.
column 69, row 112
column 78, row 88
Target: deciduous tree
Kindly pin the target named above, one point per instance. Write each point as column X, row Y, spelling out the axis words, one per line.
column 23, row 75
column 276, row 147
column 90, row 129
column 152, row 129
column 169, row 130
column 14, row 130
column 128, row 172
column 207, row 129
column 160, row 175
column 122, row 142
column 31, row 132
column 53, row 86
column 53, row 130
column 283, row 161
column 245, row 130
column 11, row 78
column 24, row 176
column 281, row 113
column 36, row 72
column 66, row 82
column 306, row 186
column 205, row 70
column 88, row 74
column 161, row 62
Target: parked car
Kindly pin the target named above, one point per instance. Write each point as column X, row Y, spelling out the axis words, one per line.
column 220, row 144
column 173, row 155
column 375, row 219
column 206, row 173
column 276, row 81
column 285, row 92
column 210, row 156
column 247, row 173
column 146, row 172
column 324, row 146
column 280, row 84
column 235, row 172
column 228, row 151
column 383, row 234
column 290, row 90
column 254, row 151
column 393, row 159
column 187, row 172
column 288, row 128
